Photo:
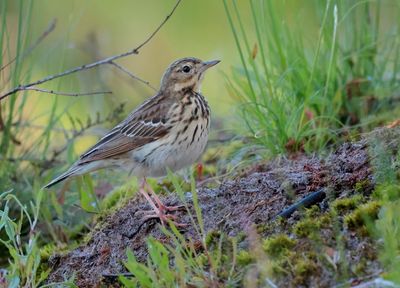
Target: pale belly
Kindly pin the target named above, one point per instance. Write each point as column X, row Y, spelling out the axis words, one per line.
column 174, row 153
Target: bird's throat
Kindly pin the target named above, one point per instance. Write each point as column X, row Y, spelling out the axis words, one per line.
column 192, row 84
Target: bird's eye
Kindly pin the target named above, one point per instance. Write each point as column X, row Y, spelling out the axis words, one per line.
column 186, row 69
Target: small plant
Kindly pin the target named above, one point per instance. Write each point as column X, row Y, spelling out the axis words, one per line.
column 158, row 272
column 24, row 269
column 20, row 236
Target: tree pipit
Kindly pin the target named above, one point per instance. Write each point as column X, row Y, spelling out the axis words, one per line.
column 168, row 131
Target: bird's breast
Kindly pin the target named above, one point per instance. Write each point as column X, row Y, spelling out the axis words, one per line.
column 182, row 146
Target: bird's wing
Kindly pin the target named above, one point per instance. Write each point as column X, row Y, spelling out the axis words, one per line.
column 146, row 124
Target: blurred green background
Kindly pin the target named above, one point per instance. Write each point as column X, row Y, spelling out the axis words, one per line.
column 90, row 30
column 87, row 31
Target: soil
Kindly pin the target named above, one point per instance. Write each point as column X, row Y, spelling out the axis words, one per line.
column 255, row 197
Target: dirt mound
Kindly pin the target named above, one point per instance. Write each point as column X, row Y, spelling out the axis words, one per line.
column 255, row 198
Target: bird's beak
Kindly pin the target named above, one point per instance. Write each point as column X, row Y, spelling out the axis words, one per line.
column 208, row 64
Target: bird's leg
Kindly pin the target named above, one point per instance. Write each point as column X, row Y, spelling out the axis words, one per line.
column 159, row 203
column 159, row 209
column 146, row 195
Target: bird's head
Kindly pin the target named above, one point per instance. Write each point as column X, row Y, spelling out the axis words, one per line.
column 185, row 73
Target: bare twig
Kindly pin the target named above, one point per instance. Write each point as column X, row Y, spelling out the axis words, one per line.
column 45, row 33
column 94, row 64
column 159, row 26
column 123, row 69
column 66, row 93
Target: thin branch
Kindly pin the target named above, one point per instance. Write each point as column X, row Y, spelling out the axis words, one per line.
column 159, row 26
column 66, row 93
column 123, row 69
column 45, row 33
column 94, row 64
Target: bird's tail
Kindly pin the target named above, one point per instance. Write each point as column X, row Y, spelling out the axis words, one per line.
column 73, row 171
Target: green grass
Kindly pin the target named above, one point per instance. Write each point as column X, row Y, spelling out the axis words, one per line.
column 387, row 228
column 307, row 77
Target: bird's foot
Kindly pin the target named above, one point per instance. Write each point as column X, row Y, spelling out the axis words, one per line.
column 166, row 208
column 164, row 218
column 160, row 210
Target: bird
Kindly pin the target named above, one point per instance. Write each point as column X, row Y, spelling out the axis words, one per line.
column 169, row 131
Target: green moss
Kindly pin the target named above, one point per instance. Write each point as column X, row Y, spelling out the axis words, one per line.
column 272, row 227
column 50, row 249
column 302, row 269
column 312, row 223
column 116, row 196
column 212, row 237
column 306, row 227
column 261, row 228
column 325, row 220
column 279, row 268
column 298, row 265
column 278, row 245
column 241, row 236
column 243, row 258
column 47, row 250
column 344, row 205
column 359, row 217
column 361, row 267
column 313, row 211
column 361, row 186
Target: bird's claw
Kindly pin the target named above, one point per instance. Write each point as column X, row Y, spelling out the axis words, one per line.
column 163, row 217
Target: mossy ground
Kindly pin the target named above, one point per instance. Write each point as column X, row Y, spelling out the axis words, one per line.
column 325, row 244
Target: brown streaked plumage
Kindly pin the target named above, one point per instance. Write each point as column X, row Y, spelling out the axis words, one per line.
column 169, row 130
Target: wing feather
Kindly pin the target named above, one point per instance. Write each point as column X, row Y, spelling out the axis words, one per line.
column 146, row 124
